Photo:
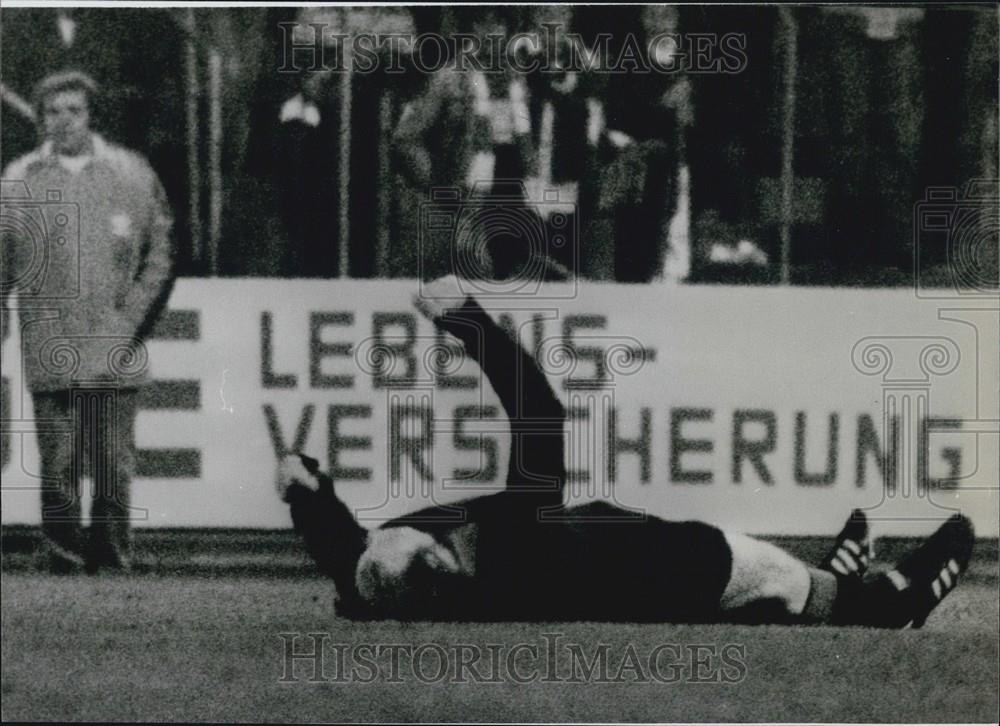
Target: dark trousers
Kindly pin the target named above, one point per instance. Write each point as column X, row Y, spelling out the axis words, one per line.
column 641, row 231
column 87, row 431
column 638, row 190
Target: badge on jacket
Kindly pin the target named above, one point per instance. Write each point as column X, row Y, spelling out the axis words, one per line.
column 121, row 225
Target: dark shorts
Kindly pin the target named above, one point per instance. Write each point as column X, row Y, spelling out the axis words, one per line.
column 598, row 563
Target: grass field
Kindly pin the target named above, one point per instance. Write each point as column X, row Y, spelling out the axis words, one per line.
column 207, row 647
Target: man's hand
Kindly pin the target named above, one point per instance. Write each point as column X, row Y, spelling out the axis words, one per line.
column 293, row 472
column 619, row 139
column 436, row 298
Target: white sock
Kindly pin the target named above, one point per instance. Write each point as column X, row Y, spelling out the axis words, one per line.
column 762, row 571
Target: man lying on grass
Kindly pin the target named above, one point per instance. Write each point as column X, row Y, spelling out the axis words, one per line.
column 522, row 555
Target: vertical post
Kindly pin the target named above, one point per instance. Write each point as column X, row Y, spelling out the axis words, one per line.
column 192, row 92
column 17, row 103
column 215, row 158
column 346, row 79
column 384, row 187
column 545, row 141
column 790, row 34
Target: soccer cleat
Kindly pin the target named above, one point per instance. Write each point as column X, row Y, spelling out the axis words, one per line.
column 852, row 549
column 932, row 571
column 906, row 595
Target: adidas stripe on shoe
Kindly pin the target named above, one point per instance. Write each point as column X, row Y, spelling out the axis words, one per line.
column 852, row 550
column 925, row 577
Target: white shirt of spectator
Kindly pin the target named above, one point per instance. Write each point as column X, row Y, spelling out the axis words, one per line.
column 297, row 108
column 75, row 164
column 481, row 168
column 508, row 117
column 540, row 188
column 595, row 121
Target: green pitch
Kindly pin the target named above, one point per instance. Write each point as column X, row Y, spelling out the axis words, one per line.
column 189, row 647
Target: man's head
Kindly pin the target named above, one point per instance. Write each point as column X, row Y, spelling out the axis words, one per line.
column 62, row 101
column 403, row 569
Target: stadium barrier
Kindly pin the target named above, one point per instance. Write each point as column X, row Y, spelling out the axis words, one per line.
column 771, row 410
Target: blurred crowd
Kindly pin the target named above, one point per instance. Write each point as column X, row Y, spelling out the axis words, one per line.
column 767, row 144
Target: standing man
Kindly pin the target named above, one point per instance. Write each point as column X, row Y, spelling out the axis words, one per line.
column 644, row 112
column 469, row 133
column 87, row 248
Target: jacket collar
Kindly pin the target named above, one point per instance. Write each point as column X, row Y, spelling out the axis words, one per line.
column 97, row 142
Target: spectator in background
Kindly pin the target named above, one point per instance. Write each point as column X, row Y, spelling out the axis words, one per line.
column 290, row 161
column 860, row 118
column 470, row 131
column 298, row 133
column 380, row 90
column 138, row 55
column 102, row 228
column 960, row 139
column 566, row 121
column 307, row 163
column 733, row 148
column 641, row 140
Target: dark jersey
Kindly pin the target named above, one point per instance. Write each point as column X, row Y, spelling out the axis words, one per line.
column 527, row 557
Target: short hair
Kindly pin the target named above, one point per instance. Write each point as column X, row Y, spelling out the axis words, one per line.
column 69, row 80
column 402, row 568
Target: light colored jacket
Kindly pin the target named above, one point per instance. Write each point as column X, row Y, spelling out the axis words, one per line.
column 90, row 257
column 442, row 134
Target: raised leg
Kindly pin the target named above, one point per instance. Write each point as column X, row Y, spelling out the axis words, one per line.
column 535, row 413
